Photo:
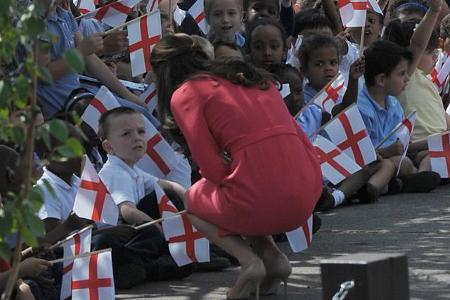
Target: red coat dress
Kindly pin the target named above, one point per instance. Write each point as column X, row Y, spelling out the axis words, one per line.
column 273, row 181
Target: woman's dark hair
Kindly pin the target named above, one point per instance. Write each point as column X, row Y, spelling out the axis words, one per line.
column 265, row 22
column 401, row 33
column 311, row 18
column 312, row 43
column 177, row 58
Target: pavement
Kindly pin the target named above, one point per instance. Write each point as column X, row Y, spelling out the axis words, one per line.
column 415, row 224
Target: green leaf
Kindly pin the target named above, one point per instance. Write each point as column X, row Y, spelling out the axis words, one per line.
column 44, row 75
column 28, row 237
column 35, row 26
column 4, row 6
column 35, row 225
column 66, row 152
column 75, row 60
column 75, row 145
column 59, row 130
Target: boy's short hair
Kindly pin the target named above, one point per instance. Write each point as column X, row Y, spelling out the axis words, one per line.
column 382, row 57
column 312, row 43
column 103, row 126
column 401, row 33
column 311, row 18
column 445, row 27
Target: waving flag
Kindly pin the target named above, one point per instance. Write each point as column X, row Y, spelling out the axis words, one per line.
column 197, row 11
column 373, row 5
column 150, row 97
column 152, row 5
column 406, row 128
column 335, row 165
column 186, row 244
column 439, row 149
column 353, row 12
column 348, row 131
column 143, row 34
column 93, row 201
column 331, row 94
column 440, row 75
column 86, row 6
column 114, row 14
column 104, row 100
column 179, row 15
column 300, row 238
column 74, row 245
column 92, row 277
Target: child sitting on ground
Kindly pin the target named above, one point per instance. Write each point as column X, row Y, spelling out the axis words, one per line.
column 386, row 76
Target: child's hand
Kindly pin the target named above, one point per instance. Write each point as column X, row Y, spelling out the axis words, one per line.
column 358, row 68
column 33, row 267
column 396, row 148
column 91, row 44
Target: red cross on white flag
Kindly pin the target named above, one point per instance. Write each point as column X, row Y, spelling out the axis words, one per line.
column 335, row 164
column 103, row 101
column 86, row 6
column 348, row 131
column 93, row 201
column 197, row 11
column 353, row 12
column 92, row 277
column 152, row 5
column 114, row 14
column 439, row 149
column 440, row 75
column 186, row 244
column 406, row 128
column 332, row 94
column 300, row 238
column 160, row 158
column 74, row 245
column 150, row 97
column 143, row 34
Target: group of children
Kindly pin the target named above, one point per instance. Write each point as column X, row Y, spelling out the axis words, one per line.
column 305, row 50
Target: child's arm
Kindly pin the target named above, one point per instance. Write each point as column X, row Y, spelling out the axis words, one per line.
column 132, row 215
column 392, row 150
column 103, row 74
column 57, row 230
column 351, row 94
column 422, row 34
column 30, row 267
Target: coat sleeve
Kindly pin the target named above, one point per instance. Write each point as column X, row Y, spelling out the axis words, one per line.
column 187, row 107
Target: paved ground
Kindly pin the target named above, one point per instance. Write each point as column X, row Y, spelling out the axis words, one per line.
column 418, row 225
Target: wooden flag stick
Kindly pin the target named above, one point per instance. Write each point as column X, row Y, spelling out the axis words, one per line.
column 69, row 237
column 78, row 256
column 130, row 22
column 170, row 12
column 315, row 97
column 361, row 43
column 148, row 224
column 397, row 127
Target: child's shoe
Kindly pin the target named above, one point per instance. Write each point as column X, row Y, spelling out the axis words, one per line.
column 326, row 200
column 422, row 182
column 368, row 194
column 395, row 186
column 127, row 276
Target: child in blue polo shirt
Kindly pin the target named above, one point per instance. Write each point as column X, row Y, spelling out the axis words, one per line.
column 386, row 76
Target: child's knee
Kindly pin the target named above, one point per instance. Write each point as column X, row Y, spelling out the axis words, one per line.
column 387, row 166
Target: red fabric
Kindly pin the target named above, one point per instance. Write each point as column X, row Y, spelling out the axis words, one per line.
column 274, row 179
column 4, row 265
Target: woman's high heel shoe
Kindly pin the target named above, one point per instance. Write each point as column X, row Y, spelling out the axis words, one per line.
column 278, row 270
column 249, row 281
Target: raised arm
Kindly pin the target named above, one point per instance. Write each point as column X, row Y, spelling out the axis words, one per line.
column 422, row 34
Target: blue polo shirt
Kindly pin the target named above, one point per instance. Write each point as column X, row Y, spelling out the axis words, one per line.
column 379, row 120
column 311, row 119
column 62, row 26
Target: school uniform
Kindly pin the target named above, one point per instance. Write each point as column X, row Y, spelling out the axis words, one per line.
column 311, row 118
column 380, row 120
column 58, row 204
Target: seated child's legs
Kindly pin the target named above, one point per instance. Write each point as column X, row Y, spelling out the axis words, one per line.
column 407, row 166
column 423, row 161
column 354, row 182
column 381, row 173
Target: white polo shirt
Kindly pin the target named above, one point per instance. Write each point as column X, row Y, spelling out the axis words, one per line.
column 58, row 203
column 126, row 183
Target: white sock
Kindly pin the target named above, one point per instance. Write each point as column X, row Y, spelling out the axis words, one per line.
column 338, row 196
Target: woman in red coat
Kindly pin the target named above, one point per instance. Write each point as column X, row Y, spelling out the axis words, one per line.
column 260, row 173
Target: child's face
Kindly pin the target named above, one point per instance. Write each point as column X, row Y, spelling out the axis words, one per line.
column 295, row 99
column 428, row 60
column 225, row 19
column 372, row 29
column 126, row 138
column 396, row 82
column 223, row 52
column 267, row 46
column 322, row 67
column 262, row 9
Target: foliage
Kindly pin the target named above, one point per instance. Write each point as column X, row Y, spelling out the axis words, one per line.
column 22, row 25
